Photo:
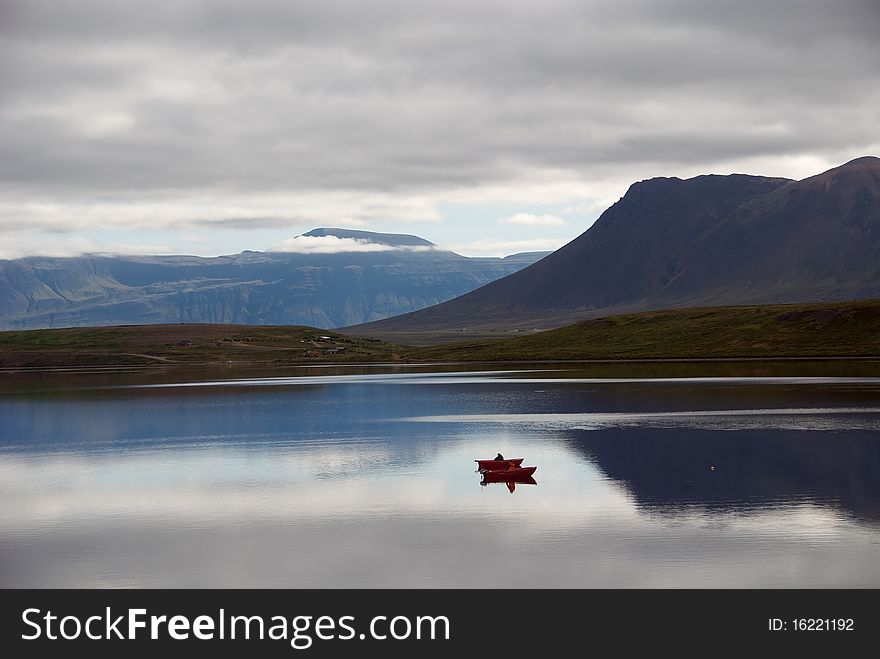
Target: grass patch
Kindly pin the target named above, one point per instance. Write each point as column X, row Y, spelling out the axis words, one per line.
column 844, row 329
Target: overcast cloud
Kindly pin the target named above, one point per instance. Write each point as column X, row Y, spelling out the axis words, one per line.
column 529, row 219
column 213, row 117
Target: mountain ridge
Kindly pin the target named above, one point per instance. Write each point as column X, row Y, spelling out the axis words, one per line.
column 671, row 242
column 323, row 290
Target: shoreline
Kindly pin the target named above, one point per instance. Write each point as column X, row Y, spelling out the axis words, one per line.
column 96, row 368
column 769, row 333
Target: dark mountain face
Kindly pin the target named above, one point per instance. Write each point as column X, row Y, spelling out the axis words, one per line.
column 322, row 290
column 811, row 240
column 655, row 224
column 707, row 240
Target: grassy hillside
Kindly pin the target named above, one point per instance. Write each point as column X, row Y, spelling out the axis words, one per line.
column 184, row 344
column 846, row 329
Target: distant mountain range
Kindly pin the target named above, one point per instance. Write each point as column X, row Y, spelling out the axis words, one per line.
column 708, row 240
column 388, row 274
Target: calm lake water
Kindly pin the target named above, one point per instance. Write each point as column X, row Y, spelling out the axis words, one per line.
column 657, row 475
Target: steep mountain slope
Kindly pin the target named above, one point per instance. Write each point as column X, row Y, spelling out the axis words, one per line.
column 669, row 242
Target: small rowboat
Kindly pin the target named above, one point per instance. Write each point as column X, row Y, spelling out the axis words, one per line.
column 509, row 476
column 497, row 465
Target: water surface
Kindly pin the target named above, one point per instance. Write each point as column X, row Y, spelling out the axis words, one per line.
column 656, row 475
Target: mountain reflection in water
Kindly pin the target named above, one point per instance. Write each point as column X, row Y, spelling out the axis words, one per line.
column 668, row 470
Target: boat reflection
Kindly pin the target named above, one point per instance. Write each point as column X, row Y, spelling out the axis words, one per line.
column 510, row 480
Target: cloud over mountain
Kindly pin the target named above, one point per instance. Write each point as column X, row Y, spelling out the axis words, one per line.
column 328, row 245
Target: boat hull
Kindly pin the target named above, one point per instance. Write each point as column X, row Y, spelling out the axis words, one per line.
column 498, row 465
column 519, row 474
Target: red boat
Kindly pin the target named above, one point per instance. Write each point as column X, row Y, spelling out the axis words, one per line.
column 497, row 465
column 514, row 475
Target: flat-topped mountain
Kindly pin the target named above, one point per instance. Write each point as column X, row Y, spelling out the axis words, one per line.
column 390, row 239
column 332, row 277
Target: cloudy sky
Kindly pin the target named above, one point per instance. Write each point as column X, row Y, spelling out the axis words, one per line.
column 209, row 127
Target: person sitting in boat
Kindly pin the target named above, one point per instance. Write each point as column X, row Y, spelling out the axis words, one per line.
column 499, row 457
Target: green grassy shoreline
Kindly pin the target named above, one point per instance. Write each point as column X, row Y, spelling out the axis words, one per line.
column 792, row 331
column 847, row 329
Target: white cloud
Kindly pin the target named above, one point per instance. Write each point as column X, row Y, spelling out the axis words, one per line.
column 528, row 219
column 507, row 247
column 328, row 245
column 41, row 245
column 592, row 208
